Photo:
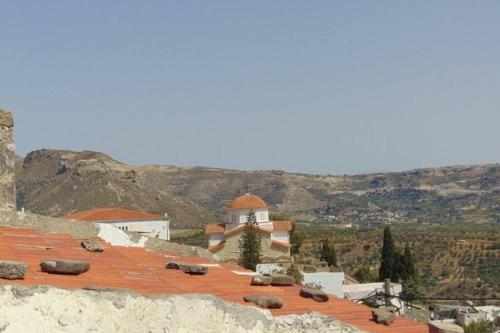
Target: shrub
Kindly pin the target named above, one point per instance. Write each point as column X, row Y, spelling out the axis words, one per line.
column 295, row 273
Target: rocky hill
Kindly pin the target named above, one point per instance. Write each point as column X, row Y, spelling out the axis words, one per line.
column 56, row 182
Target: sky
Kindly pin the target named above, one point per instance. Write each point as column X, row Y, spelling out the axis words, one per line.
column 326, row 87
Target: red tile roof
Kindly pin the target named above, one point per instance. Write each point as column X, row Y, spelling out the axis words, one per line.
column 112, row 214
column 240, row 228
column 247, row 201
column 144, row 272
column 282, row 225
column 214, row 229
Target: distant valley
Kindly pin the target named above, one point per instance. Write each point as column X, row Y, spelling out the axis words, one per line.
column 58, row 182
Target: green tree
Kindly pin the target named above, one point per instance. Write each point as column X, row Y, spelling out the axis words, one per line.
column 480, row 326
column 297, row 237
column 250, row 244
column 293, row 271
column 364, row 274
column 390, row 261
column 327, row 252
column 412, row 290
column 408, row 269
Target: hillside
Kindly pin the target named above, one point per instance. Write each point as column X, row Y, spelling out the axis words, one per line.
column 55, row 182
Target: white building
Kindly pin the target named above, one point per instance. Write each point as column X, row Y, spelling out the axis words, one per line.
column 331, row 282
column 223, row 239
column 151, row 225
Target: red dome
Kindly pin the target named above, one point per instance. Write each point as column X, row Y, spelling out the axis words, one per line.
column 247, row 201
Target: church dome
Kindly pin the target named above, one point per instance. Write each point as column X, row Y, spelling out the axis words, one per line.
column 247, row 201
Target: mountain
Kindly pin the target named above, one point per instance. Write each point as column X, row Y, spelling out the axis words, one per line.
column 58, row 182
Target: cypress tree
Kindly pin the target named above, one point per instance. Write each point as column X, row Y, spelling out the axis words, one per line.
column 390, row 259
column 297, row 237
column 327, row 252
column 250, row 249
column 408, row 263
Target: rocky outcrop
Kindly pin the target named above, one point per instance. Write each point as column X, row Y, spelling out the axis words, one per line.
column 92, row 246
column 7, row 167
column 53, row 310
column 315, row 294
column 282, row 280
column 64, row 266
column 13, row 270
column 265, row 301
column 261, row 280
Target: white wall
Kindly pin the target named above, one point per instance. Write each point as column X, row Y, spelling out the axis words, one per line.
column 332, row 282
column 281, row 235
column 241, row 215
column 214, row 239
column 159, row 228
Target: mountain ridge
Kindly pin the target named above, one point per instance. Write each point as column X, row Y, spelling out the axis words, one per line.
column 57, row 182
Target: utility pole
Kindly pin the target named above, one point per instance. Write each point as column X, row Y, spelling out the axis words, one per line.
column 387, row 292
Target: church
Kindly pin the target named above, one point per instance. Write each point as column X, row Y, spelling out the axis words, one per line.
column 224, row 239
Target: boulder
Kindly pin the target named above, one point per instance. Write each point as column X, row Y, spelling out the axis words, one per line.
column 194, row 269
column 383, row 315
column 64, row 266
column 282, row 280
column 261, row 280
column 12, row 270
column 91, row 246
column 265, row 301
column 315, row 294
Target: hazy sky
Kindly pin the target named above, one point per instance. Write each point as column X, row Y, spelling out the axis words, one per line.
column 311, row 86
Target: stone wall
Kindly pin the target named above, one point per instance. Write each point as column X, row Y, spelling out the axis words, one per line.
column 53, row 310
column 7, row 165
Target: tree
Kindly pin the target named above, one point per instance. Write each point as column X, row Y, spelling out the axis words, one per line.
column 390, row 259
column 294, row 272
column 364, row 274
column 412, row 290
column 409, row 270
column 480, row 326
column 250, row 244
column 297, row 237
column 327, row 252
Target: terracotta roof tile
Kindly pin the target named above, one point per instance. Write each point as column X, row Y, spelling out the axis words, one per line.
column 144, row 272
column 240, row 228
column 112, row 214
column 214, row 229
column 282, row 225
column 247, row 201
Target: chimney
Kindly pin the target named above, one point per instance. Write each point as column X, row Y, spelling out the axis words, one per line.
column 7, row 167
